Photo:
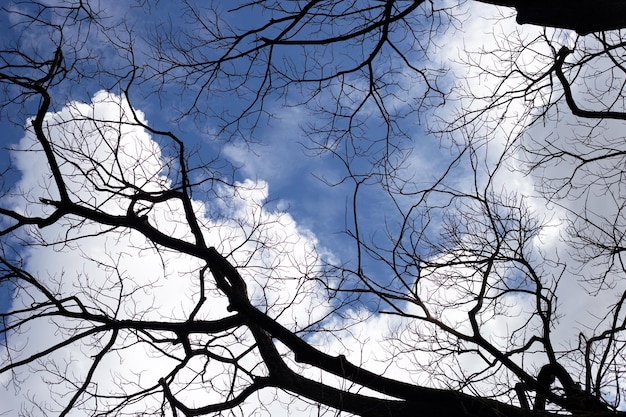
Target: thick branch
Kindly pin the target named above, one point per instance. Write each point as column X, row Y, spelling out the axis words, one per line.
column 424, row 402
column 583, row 16
column 569, row 97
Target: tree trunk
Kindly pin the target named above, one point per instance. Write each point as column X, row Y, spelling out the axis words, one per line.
column 583, row 16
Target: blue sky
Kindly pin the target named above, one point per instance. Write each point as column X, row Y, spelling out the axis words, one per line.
column 307, row 195
column 278, row 151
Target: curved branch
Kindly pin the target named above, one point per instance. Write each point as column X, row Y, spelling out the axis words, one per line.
column 569, row 97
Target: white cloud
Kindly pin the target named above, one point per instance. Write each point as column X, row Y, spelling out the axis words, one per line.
column 578, row 311
column 102, row 152
column 278, row 252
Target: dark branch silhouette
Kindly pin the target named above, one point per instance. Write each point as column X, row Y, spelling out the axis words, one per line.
column 446, row 258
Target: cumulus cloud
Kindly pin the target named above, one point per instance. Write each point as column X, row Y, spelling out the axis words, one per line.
column 106, row 156
column 119, row 272
column 580, row 310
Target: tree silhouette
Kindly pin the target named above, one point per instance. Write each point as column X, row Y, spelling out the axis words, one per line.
column 584, row 17
column 148, row 278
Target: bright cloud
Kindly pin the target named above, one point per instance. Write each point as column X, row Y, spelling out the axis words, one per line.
column 106, row 156
column 104, row 152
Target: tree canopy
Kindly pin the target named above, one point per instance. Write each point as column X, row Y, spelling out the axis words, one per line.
column 373, row 208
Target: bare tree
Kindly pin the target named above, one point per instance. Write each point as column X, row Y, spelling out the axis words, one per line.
column 136, row 210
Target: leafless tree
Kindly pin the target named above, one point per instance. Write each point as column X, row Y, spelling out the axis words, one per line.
column 451, row 261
